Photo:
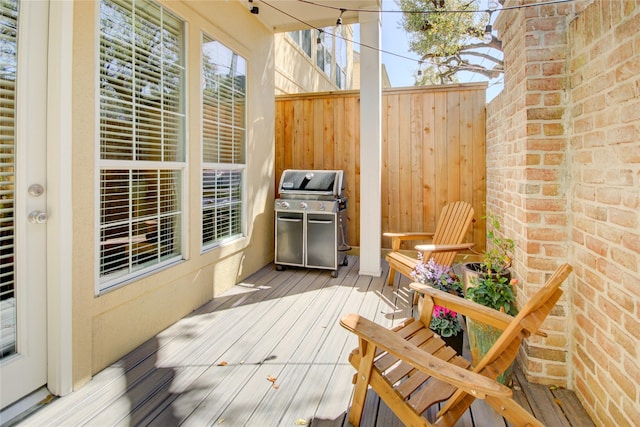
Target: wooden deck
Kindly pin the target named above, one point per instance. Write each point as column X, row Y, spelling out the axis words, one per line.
column 269, row 352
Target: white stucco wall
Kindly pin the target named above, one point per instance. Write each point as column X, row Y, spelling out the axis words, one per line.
column 108, row 326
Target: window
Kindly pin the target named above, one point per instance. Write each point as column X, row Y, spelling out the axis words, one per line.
column 223, row 142
column 341, row 59
column 142, row 139
column 321, row 50
column 302, row 39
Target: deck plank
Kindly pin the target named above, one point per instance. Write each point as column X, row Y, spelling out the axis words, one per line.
column 213, row 366
column 541, row 402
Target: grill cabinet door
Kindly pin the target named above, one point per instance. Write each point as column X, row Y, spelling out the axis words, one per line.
column 289, row 238
column 321, row 241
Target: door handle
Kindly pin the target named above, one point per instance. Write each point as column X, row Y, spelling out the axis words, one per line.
column 38, row 217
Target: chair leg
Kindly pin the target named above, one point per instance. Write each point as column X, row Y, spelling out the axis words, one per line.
column 368, row 353
column 392, row 275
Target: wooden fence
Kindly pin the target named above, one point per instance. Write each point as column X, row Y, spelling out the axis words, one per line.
column 433, row 150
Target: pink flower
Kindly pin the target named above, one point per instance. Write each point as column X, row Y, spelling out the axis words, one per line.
column 439, row 311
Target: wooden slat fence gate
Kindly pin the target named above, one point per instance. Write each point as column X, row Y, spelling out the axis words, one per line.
column 433, row 150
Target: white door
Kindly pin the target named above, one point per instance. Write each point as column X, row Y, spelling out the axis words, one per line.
column 23, row 192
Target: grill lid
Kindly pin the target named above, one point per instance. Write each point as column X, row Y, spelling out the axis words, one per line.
column 298, row 183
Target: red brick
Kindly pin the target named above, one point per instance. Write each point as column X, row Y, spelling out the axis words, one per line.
column 594, row 103
column 596, row 245
column 555, row 251
column 532, row 159
column 631, row 200
column 547, row 83
column 631, row 409
column 555, row 39
column 620, row 177
column 550, row 190
column 626, row 303
column 593, row 176
column 533, row 99
column 534, row 129
column 625, row 258
column 609, row 196
column 551, row 218
column 546, row 144
column 542, row 174
column 621, row 93
column 622, row 134
column 545, row 24
column 628, row 70
column 532, row 40
column 630, row 153
column 631, row 112
column 623, row 218
column 629, row 28
column 553, row 159
column 620, row 378
column 631, row 284
column 631, row 241
column 583, row 157
column 548, row 113
column 594, row 139
column 607, row 118
column 553, row 129
column 552, row 99
column 547, row 234
column 577, row 236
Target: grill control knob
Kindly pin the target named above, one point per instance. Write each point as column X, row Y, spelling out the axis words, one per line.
column 322, row 206
column 285, row 205
column 303, row 205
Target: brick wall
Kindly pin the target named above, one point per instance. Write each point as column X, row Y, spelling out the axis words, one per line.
column 527, row 169
column 563, row 173
column 605, row 208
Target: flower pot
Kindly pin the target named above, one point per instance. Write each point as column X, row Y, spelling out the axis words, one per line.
column 473, row 270
column 481, row 339
column 455, row 342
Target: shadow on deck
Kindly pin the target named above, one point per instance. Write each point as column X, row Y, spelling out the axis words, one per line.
column 269, row 352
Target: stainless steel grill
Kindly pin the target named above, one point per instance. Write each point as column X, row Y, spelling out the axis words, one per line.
column 311, row 220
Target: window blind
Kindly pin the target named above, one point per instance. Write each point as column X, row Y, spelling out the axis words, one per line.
column 142, row 148
column 223, row 142
column 8, row 64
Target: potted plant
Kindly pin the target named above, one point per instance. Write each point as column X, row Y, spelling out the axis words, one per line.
column 444, row 322
column 489, row 283
column 497, row 257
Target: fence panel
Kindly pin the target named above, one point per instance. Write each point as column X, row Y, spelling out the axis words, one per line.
column 433, row 151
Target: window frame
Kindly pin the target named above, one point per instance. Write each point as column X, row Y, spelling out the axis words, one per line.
column 241, row 166
column 123, row 276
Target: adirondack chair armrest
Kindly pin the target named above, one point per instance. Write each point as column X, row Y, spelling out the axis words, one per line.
column 475, row 384
column 444, row 248
column 398, row 238
column 412, row 235
column 464, row 306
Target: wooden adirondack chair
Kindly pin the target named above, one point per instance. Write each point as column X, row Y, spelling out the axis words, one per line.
column 411, row 369
column 447, row 240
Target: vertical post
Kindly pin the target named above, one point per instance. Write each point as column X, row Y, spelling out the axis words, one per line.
column 370, row 144
column 60, row 227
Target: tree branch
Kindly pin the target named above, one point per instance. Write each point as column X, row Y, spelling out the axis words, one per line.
column 484, row 56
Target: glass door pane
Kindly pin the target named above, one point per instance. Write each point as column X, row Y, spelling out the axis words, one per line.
column 8, row 62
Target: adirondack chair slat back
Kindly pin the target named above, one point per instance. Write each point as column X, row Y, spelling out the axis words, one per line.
column 452, row 227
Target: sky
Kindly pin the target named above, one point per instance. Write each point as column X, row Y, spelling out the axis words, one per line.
column 394, row 39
